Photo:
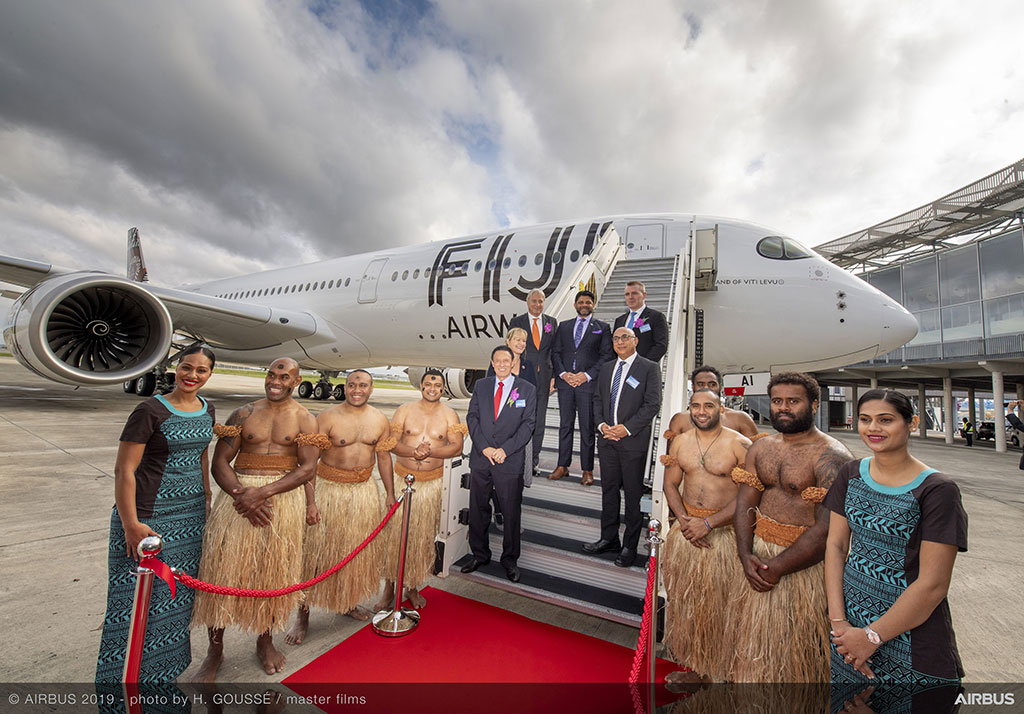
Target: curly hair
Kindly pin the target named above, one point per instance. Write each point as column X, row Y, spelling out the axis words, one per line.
column 809, row 383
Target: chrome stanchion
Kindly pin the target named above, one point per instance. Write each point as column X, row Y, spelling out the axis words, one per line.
column 398, row 621
column 149, row 547
column 655, row 542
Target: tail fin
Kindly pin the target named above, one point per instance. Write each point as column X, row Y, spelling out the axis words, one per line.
column 136, row 263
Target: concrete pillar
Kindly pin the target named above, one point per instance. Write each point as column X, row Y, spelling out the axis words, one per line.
column 854, row 396
column 972, row 408
column 822, row 416
column 948, row 412
column 874, row 382
column 922, row 406
column 997, row 401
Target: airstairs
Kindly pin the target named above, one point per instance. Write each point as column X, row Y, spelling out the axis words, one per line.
column 560, row 516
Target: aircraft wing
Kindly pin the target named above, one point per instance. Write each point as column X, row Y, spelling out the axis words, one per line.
column 221, row 323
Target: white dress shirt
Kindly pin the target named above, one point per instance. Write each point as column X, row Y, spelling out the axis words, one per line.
column 625, row 373
column 506, row 392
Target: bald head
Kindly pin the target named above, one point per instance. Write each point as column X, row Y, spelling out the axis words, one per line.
column 282, row 378
column 624, row 342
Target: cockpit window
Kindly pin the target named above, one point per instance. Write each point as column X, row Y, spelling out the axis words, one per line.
column 781, row 248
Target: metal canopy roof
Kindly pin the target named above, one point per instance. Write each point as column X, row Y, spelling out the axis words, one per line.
column 982, row 208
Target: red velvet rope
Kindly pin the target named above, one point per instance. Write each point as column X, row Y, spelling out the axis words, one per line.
column 645, row 623
column 240, row 592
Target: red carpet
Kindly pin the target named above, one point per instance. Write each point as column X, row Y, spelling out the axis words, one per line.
column 474, row 654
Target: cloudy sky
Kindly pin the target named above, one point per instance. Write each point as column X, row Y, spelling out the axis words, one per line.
column 243, row 134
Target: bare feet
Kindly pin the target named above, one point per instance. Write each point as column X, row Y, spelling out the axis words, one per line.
column 214, row 656
column 270, row 658
column 415, row 599
column 680, row 681
column 359, row 613
column 387, row 600
column 297, row 633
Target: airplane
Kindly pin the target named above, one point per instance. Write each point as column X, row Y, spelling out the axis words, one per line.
column 771, row 304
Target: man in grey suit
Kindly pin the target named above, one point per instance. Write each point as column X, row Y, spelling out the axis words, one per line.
column 540, row 331
column 626, row 398
column 501, row 418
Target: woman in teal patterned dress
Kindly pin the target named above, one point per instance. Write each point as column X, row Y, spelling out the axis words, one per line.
column 161, row 487
column 894, row 534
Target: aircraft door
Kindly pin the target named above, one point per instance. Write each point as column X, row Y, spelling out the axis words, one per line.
column 645, row 241
column 368, row 285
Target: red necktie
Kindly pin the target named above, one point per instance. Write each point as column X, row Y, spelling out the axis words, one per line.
column 497, row 400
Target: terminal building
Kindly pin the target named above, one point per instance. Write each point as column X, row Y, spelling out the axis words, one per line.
column 957, row 264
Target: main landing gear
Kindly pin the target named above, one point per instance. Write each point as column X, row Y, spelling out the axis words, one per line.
column 323, row 389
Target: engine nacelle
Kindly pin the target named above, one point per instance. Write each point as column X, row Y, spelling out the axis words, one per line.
column 88, row 328
column 458, row 383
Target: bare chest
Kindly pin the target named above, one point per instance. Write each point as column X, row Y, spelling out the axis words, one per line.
column 790, row 469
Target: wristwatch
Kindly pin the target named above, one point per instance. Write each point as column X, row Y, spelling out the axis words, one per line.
column 873, row 636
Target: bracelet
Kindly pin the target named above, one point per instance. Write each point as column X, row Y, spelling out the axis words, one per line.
column 708, row 525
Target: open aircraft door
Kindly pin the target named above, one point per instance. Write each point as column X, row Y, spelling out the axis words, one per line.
column 452, row 541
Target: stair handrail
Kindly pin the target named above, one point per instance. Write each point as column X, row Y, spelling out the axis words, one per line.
column 599, row 263
column 680, row 347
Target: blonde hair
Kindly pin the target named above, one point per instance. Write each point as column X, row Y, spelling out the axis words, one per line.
column 515, row 332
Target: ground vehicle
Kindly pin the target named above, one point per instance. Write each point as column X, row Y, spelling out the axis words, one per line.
column 987, row 430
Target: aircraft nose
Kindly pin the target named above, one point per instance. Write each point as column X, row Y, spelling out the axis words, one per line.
column 898, row 326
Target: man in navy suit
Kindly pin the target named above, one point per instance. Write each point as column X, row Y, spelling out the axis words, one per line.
column 626, row 398
column 501, row 418
column 581, row 347
column 540, row 331
column 650, row 326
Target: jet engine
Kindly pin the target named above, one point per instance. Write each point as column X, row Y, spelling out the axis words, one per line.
column 458, row 383
column 88, row 328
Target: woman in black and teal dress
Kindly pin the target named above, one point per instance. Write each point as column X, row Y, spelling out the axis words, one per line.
column 894, row 534
column 161, row 487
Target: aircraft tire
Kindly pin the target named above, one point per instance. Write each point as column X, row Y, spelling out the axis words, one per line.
column 129, row 386
column 146, row 385
column 305, row 389
column 339, row 392
column 321, row 391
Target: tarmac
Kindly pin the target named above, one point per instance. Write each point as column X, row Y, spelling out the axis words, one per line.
column 57, row 450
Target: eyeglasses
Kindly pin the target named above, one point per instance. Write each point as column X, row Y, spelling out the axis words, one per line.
column 623, row 338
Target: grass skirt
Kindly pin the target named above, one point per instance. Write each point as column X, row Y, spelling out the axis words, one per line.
column 237, row 554
column 423, row 528
column 348, row 513
column 783, row 633
column 700, row 622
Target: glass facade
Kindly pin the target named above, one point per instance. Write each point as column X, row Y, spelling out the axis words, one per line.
column 967, row 300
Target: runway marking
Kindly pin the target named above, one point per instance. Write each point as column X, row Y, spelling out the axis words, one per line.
column 59, row 448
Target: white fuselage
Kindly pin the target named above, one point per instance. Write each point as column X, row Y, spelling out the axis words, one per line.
column 449, row 302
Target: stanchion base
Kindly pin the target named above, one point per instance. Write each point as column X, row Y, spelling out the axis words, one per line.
column 391, row 623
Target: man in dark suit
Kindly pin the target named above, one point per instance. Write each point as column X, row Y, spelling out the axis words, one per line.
column 581, row 347
column 626, row 398
column 540, row 331
column 650, row 326
column 501, row 418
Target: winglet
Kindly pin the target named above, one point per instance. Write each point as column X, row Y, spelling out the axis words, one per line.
column 136, row 263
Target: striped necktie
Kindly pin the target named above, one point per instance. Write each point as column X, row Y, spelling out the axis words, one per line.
column 632, row 319
column 616, row 383
column 579, row 330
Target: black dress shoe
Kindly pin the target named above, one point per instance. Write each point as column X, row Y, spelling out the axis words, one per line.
column 513, row 573
column 601, row 546
column 626, row 558
column 474, row 564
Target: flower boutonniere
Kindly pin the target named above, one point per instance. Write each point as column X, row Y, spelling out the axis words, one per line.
column 639, row 322
column 547, row 327
column 512, row 397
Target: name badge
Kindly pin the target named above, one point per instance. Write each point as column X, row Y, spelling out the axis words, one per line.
column 520, row 403
column 632, row 382
column 645, row 327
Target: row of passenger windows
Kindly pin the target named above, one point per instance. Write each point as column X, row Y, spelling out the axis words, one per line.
column 451, row 270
